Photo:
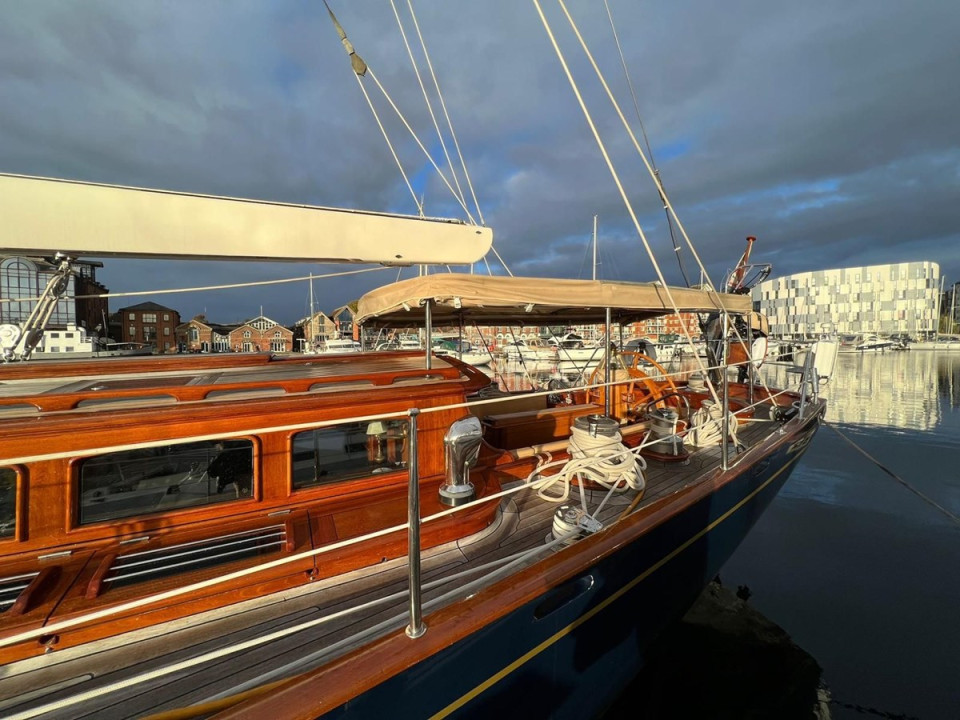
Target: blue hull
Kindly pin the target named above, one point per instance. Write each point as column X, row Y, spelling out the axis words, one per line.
column 568, row 653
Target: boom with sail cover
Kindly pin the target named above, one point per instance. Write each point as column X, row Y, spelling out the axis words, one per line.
column 43, row 215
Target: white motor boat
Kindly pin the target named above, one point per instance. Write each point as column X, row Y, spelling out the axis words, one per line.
column 344, row 345
column 462, row 350
column 530, row 349
column 873, row 343
column 572, row 349
column 864, row 343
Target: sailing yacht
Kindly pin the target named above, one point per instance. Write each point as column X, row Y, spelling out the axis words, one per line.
column 386, row 534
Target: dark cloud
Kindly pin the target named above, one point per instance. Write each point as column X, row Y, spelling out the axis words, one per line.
column 827, row 130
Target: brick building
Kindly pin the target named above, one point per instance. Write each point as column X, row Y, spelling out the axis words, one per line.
column 147, row 323
column 315, row 330
column 345, row 320
column 198, row 335
column 261, row 334
column 672, row 324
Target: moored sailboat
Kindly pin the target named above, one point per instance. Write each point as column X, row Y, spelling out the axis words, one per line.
column 350, row 536
column 263, row 480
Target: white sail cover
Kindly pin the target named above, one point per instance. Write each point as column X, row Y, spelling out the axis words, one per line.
column 42, row 216
column 532, row 301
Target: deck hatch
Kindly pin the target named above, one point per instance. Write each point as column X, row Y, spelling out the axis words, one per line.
column 148, row 565
column 12, row 587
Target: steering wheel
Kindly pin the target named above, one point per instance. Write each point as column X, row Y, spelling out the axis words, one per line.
column 652, row 391
column 657, row 391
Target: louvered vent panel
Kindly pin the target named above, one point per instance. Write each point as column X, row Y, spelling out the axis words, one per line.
column 164, row 562
column 11, row 587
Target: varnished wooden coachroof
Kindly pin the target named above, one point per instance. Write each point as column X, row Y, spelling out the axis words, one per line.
column 56, row 386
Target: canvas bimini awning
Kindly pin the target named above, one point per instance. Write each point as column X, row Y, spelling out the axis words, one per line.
column 487, row 300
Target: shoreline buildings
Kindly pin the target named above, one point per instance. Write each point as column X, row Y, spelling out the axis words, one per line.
column 882, row 299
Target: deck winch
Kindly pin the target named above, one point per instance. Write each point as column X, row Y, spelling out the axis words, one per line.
column 570, row 522
column 664, row 435
column 596, row 455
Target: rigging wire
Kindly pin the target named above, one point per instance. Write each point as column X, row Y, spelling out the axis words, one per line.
column 933, row 503
column 613, row 101
column 612, row 169
column 229, row 286
column 416, row 201
column 443, row 106
column 426, row 100
column 646, row 140
column 361, row 69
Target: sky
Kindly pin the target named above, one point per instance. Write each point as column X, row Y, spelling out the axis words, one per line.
column 827, row 130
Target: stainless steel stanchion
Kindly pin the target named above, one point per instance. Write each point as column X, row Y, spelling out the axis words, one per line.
column 416, row 628
column 725, row 397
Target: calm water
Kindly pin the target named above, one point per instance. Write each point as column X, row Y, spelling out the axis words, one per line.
column 862, row 573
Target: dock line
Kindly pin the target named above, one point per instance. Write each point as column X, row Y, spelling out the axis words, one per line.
column 896, row 477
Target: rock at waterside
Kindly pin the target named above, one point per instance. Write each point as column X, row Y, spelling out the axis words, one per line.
column 724, row 661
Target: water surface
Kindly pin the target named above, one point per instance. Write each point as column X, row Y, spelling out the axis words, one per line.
column 863, row 574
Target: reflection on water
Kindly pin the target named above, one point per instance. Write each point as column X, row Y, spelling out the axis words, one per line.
column 897, row 389
column 862, row 573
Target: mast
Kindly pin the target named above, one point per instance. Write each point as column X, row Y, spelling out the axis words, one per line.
column 936, row 326
column 594, row 247
column 312, row 322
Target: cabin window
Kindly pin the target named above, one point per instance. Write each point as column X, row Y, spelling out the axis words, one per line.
column 349, row 451
column 8, row 502
column 138, row 482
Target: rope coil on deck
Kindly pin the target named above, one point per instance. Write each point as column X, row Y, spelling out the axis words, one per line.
column 604, row 459
column 706, row 426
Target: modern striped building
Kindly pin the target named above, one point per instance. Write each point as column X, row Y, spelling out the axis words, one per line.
column 882, row 299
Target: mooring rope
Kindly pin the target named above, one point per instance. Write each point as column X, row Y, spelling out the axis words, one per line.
column 891, row 473
column 866, row 710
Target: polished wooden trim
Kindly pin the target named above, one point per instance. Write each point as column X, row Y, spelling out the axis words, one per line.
column 24, row 601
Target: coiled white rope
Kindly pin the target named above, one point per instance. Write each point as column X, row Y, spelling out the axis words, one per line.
column 706, row 426
column 603, row 459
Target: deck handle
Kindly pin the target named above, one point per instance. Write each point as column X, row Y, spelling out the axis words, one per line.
column 563, row 595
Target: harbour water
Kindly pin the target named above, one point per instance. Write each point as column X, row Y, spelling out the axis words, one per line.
column 863, row 574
